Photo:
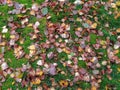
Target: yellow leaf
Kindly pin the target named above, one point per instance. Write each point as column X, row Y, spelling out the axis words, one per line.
column 8, row 1
column 29, row 88
column 93, row 88
column 32, row 12
column 30, row 25
column 34, row 36
column 12, row 36
column 80, row 49
column 113, row 5
column 78, row 19
column 32, row 47
column 3, row 36
column 116, row 51
column 79, row 89
column 21, row 41
column 63, row 83
column 20, row 75
column 66, row 51
column 106, row 88
column 118, row 69
column 13, row 83
column 94, row 25
column 94, row 7
column 60, row 40
column 89, row 22
column 118, row 30
column 117, row 16
column 40, row 73
column 102, row 42
column 2, row 43
column 78, row 29
column 93, row 59
column 19, row 15
column 32, row 52
column 118, row 3
column 36, row 81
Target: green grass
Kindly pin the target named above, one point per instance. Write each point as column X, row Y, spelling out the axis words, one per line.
column 81, row 64
column 8, row 83
column 12, row 61
column 93, row 38
column 42, row 29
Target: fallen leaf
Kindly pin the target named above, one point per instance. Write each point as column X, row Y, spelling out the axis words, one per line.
column 32, row 47
column 5, row 30
column 93, row 88
column 36, row 81
column 63, row 83
column 35, row 7
column 94, row 25
column 4, row 66
column 44, row 11
column 52, row 70
column 118, row 30
column 118, row 3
